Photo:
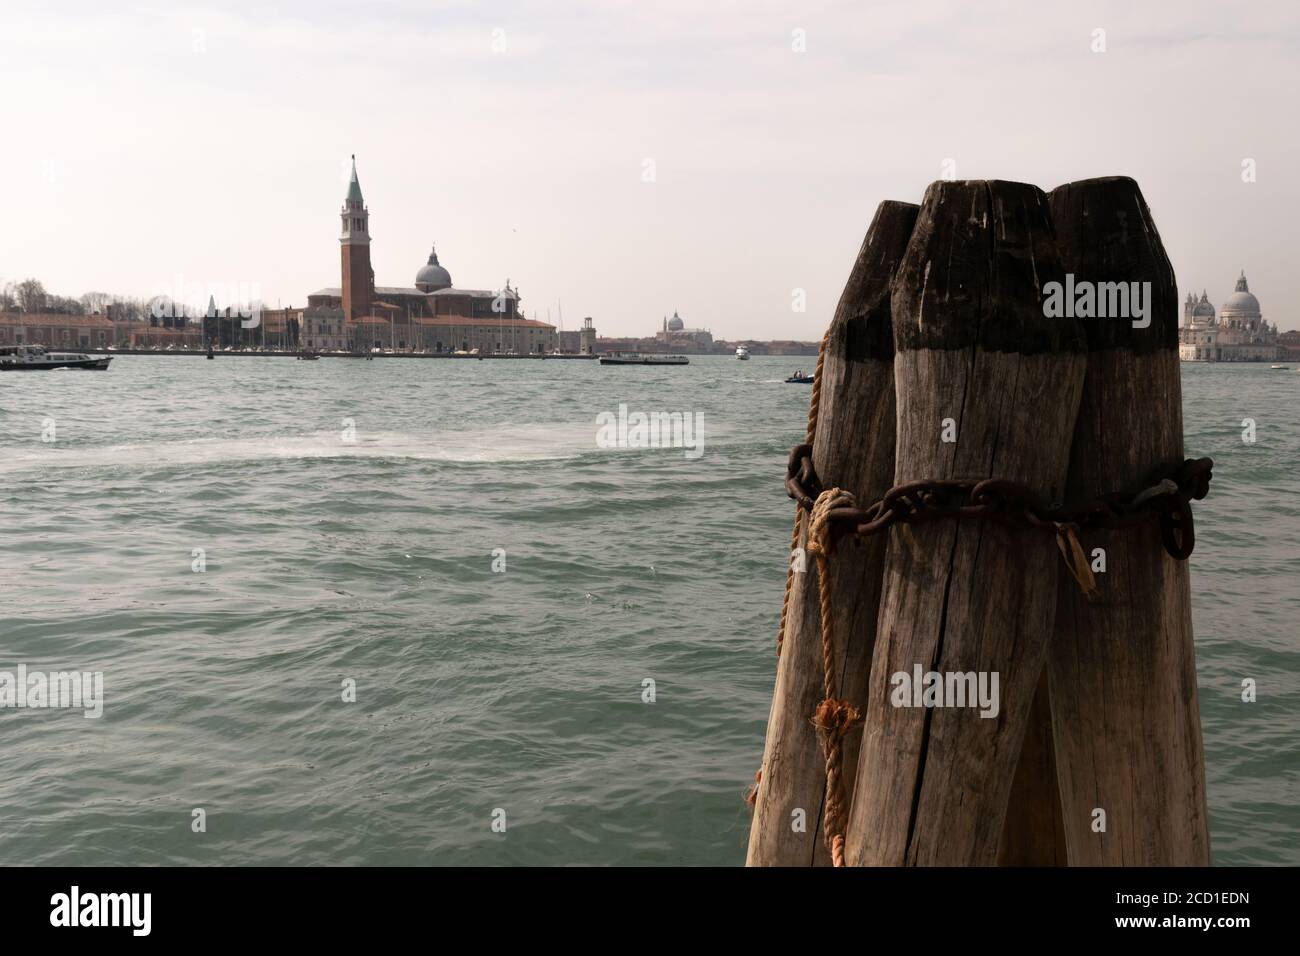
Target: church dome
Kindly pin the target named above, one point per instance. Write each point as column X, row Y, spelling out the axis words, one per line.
column 432, row 276
column 675, row 324
column 1242, row 302
column 1203, row 308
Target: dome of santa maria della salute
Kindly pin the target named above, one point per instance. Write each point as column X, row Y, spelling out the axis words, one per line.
column 432, row 276
column 1242, row 303
column 1239, row 333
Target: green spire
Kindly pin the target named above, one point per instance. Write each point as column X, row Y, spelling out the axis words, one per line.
column 354, row 187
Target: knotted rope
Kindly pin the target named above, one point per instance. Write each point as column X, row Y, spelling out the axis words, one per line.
column 834, row 717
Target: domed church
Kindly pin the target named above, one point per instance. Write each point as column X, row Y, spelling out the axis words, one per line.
column 675, row 335
column 432, row 276
column 433, row 315
column 1238, row 333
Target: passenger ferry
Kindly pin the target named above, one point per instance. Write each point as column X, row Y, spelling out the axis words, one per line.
column 36, row 358
column 642, row 358
column 742, row 352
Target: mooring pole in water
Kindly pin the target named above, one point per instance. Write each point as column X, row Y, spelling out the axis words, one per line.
column 853, row 448
column 987, row 386
column 1123, row 668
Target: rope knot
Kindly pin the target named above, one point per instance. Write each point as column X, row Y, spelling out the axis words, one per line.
column 835, row 717
column 819, row 542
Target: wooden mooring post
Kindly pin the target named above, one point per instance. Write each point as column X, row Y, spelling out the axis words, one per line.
column 1122, row 667
column 1019, row 709
column 853, row 448
column 988, row 387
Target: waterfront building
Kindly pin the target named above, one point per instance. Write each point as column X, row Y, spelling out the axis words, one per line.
column 56, row 331
column 675, row 336
column 151, row 333
column 1237, row 333
column 323, row 330
column 1289, row 345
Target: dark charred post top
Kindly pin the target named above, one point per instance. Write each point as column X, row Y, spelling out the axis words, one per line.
column 1105, row 233
column 853, row 449
column 1122, row 667
column 980, row 256
column 987, row 386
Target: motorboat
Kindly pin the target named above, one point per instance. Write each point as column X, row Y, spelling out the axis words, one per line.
column 36, row 358
column 799, row 378
column 742, row 352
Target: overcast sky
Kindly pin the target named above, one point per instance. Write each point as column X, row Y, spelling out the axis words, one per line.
column 172, row 144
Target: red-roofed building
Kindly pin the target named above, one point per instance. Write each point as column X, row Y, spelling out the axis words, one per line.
column 56, row 331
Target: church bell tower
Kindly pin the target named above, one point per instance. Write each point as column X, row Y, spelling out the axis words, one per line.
column 358, row 277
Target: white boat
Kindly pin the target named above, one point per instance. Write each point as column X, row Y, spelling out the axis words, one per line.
column 1284, row 368
column 742, row 353
column 642, row 358
column 36, row 358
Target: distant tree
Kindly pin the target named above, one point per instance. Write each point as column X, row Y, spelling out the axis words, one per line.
column 128, row 310
column 62, row 305
column 31, row 295
column 8, row 299
column 93, row 302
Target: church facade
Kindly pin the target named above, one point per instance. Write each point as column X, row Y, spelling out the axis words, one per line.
column 432, row 315
column 1236, row 333
column 675, row 335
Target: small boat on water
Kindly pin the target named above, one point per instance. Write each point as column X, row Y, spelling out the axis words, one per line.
column 307, row 356
column 742, row 352
column 642, row 358
column 1284, row 368
column 36, row 358
column 799, row 378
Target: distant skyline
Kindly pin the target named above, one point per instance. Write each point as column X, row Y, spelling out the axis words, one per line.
column 209, row 144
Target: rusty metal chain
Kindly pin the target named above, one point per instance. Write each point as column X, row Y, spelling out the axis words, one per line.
column 1167, row 500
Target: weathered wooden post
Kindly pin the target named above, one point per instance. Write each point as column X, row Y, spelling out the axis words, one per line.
column 987, row 387
column 1033, row 833
column 853, row 448
column 1123, row 667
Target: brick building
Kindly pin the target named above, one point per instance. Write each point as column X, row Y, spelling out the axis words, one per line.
column 56, row 331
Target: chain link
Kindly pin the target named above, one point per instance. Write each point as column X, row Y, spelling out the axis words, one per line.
column 1167, row 500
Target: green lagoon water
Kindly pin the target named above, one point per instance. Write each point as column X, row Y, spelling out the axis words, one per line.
column 371, row 560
